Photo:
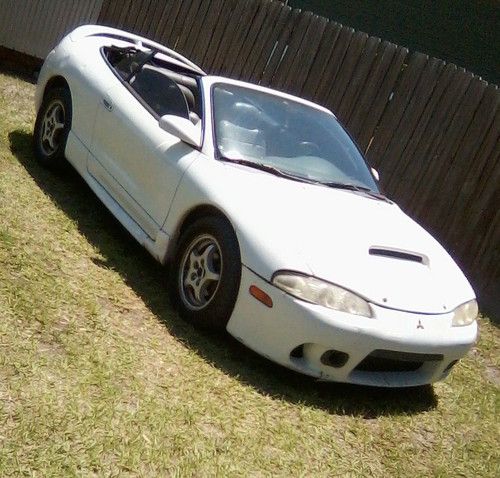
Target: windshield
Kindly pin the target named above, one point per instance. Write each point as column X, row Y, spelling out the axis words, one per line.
column 294, row 138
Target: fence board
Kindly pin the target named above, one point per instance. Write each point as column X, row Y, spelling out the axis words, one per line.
column 218, row 36
column 32, row 13
column 280, row 49
column 486, row 263
column 204, row 40
column 233, row 60
column 147, row 9
column 229, row 36
column 373, row 104
column 306, row 56
column 186, row 25
column 259, row 58
column 50, row 21
column 358, row 80
column 105, row 13
column 321, row 60
column 461, row 177
column 346, row 70
column 5, row 21
column 157, row 29
column 410, row 121
column 123, row 10
column 486, row 184
column 427, row 151
column 333, row 65
column 117, row 9
column 169, row 17
column 394, row 111
column 131, row 13
column 197, row 27
column 476, row 206
column 424, row 133
column 292, row 52
column 180, row 23
column 446, row 152
column 252, row 35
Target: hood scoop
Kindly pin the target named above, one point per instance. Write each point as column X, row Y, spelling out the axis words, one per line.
column 398, row 254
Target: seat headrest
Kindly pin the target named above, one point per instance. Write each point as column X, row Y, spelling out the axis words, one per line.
column 188, row 94
column 246, row 115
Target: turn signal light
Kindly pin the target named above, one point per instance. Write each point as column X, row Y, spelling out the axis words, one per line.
column 261, row 296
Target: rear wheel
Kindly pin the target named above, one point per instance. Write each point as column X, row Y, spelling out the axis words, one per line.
column 206, row 273
column 52, row 127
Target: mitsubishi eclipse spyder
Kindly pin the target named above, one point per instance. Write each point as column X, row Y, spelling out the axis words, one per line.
column 270, row 220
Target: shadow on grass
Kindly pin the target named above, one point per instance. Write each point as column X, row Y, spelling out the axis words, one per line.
column 147, row 278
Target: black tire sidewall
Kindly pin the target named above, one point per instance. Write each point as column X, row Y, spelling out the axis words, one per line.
column 57, row 158
column 217, row 312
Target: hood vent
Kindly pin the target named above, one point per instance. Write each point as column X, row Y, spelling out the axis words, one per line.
column 406, row 256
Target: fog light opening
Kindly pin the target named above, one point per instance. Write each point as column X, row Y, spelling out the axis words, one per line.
column 297, row 352
column 334, row 358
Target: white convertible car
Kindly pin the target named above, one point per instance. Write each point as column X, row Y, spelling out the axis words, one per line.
column 270, row 219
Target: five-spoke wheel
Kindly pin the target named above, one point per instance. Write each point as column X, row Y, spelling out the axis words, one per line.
column 206, row 273
column 200, row 273
column 52, row 127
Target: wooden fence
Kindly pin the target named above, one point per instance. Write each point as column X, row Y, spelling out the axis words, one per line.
column 431, row 128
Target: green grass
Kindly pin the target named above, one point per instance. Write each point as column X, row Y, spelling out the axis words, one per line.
column 99, row 377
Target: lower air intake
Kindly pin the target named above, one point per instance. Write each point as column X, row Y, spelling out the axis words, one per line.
column 392, row 361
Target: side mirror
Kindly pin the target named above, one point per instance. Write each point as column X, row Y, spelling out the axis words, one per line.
column 182, row 128
column 375, row 173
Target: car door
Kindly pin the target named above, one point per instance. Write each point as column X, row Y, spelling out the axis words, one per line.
column 138, row 163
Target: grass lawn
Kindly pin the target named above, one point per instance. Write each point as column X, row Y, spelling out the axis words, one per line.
column 99, row 377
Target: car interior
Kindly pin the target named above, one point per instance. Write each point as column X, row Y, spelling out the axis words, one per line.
column 163, row 87
column 266, row 129
column 244, row 133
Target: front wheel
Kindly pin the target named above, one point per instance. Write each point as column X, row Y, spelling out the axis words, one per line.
column 206, row 273
column 52, row 127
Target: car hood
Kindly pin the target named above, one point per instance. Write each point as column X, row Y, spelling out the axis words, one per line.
column 363, row 244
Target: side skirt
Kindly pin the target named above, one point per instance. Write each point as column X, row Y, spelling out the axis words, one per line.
column 78, row 156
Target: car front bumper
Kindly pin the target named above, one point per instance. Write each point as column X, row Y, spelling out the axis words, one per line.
column 393, row 349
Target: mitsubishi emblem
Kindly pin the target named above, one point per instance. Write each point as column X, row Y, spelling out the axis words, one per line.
column 420, row 326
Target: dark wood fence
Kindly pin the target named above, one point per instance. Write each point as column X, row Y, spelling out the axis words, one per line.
column 431, row 128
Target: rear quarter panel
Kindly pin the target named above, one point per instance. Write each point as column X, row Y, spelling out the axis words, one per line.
column 88, row 76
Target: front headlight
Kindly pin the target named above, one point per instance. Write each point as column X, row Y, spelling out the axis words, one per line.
column 465, row 314
column 322, row 293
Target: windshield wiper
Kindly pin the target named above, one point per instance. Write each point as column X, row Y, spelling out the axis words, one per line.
column 285, row 174
column 270, row 169
column 357, row 188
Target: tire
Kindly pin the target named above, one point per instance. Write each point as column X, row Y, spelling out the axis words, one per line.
column 52, row 127
column 206, row 273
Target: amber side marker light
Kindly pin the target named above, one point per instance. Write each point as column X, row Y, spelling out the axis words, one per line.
column 261, row 296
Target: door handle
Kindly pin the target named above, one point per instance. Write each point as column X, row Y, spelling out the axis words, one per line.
column 107, row 104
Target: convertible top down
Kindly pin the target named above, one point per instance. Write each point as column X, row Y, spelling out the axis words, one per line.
column 272, row 222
